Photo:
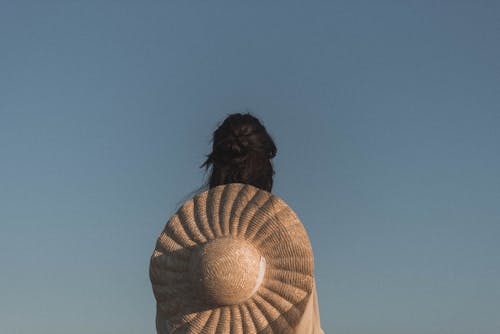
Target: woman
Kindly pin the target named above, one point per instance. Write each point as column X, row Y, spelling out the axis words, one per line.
column 241, row 154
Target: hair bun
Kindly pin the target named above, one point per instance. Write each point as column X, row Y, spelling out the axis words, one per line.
column 241, row 152
column 235, row 145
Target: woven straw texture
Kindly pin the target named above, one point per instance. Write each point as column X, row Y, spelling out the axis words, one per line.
column 205, row 265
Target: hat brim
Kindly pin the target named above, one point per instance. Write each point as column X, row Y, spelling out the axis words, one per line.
column 239, row 211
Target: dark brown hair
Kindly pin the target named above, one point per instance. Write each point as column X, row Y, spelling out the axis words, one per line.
column 242, row 150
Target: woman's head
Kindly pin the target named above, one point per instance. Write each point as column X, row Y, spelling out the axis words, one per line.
column 241, row 152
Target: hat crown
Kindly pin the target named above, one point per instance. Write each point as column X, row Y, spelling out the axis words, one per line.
column 228, row 270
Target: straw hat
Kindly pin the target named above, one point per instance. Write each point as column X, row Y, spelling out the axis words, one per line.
column 233, row 259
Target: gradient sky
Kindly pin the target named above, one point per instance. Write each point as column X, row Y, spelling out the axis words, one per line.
column 386, row 115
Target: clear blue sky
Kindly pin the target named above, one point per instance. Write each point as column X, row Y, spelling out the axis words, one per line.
column 386, row 115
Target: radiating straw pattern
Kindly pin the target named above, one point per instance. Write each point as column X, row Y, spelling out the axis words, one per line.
column 239, row 212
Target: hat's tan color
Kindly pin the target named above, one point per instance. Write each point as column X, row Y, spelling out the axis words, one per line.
column 233, row 259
